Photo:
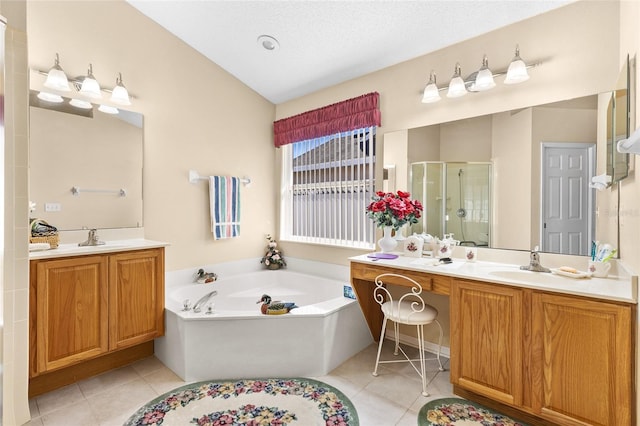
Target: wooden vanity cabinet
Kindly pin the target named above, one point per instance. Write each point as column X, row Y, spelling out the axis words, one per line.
column 136, row 297
column 84, row 307
column 71, row 311
column 486, row 340
column 582, row 360
column 565, row 359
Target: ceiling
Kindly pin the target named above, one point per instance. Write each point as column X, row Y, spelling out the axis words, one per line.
column 323, row 43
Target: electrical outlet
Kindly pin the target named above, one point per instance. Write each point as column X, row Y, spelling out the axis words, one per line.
column 52, row 207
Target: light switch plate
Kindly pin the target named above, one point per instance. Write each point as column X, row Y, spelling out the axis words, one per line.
column 52, row 207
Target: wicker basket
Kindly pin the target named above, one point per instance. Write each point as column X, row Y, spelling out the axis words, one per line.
column 52, row 239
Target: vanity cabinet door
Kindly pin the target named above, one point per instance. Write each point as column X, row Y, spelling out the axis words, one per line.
column 72, row 311
column 136, row 297
column 487, row 340
column 582, row 360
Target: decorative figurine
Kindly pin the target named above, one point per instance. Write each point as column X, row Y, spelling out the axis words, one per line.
column 203, row 277
column 276, row 307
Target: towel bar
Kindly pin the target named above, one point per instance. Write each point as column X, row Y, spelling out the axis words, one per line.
column 121, row 192
column 194, row 177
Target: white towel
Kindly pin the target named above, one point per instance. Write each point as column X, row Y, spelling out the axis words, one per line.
column 224, row 195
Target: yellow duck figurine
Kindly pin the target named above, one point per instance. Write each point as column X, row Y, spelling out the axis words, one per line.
column 276, row 307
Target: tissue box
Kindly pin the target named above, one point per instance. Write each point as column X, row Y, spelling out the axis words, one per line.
column 347, row 290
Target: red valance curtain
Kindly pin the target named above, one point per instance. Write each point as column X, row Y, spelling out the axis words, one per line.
column 351, row 114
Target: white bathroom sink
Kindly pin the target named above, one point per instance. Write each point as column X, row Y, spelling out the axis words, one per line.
column 75, row 248
column 526, row 276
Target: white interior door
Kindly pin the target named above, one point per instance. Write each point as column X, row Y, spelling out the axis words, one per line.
column 567, row 202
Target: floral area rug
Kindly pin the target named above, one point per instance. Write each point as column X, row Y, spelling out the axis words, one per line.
column 260, row 402
column 460, row 412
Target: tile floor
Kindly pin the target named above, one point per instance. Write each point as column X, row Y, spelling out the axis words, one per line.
column 392, row 398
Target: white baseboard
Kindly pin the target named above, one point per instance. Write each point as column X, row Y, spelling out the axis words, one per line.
column 412, row 341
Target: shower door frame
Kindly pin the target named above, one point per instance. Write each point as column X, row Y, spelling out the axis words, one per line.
column 443, row 189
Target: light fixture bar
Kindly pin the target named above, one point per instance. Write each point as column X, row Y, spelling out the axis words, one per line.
column 470, row 79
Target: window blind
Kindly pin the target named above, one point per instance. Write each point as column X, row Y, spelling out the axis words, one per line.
column 329, row 181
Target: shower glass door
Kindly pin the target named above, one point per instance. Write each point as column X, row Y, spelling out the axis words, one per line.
column 456, row 199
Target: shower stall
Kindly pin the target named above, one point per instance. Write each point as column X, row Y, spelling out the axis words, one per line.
column 457, row 200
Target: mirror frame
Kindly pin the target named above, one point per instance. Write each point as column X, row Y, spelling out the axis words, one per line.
column 619, row 125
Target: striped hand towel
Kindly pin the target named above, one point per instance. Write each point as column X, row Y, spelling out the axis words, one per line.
column 224, row 195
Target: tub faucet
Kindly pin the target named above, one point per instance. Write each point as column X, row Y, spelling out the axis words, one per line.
column 534, row 263
column 92, row 239
column 197, row 307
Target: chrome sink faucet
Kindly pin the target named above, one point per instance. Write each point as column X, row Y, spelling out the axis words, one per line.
column 534, row 263
column 92, row 239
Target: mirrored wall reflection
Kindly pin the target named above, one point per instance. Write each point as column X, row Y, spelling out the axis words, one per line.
column 456, row 198
column 85, row 166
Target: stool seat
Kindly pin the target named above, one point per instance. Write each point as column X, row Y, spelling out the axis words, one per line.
column 404, row 313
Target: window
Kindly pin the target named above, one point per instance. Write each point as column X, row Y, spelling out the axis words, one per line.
column 327, row 183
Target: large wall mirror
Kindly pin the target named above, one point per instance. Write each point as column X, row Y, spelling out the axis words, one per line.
column 85, row 166
column 510, row 174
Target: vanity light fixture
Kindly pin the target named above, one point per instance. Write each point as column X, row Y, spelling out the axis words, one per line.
column 86, row 85
column 90, row 86
column 457, row 86
column 431, row 92
column 478, row 81
column 120, row 95
column 56, row 78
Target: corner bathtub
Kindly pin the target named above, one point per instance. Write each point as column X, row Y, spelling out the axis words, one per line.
column 237, row 341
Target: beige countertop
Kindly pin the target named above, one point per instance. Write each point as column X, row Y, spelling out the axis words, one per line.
column 620, row 288
column 65, row 250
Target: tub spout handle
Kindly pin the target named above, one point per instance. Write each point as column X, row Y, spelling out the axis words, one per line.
column 186, row 305
column 203, row 301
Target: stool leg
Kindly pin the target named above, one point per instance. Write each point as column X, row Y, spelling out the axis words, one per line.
column 384, row 326
column 439, row 345
column 423, row 374
column 396, row 335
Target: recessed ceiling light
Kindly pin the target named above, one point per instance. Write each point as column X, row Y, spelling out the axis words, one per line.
column 268, row 43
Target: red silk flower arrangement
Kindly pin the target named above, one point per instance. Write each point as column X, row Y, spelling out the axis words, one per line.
column 389, row 209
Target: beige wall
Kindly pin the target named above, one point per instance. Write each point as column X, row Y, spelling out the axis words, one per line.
column 512, row 163
column 594, row 52
column 469, row 140
column 196, row 115
column 424, row 144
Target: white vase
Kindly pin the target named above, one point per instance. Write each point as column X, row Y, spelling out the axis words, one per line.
column 387, row 243
column 399, row 237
